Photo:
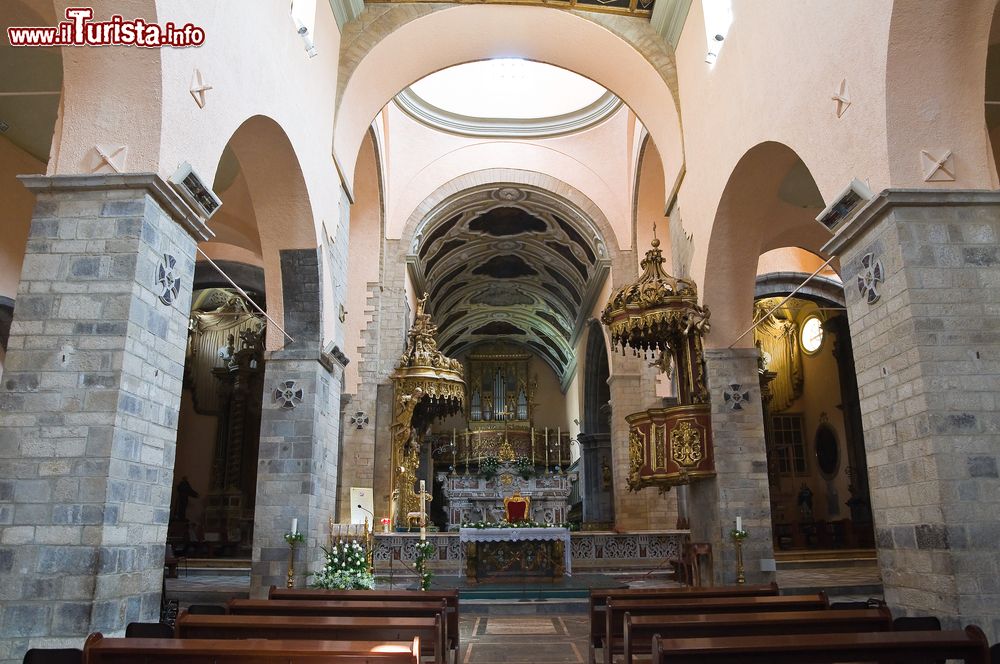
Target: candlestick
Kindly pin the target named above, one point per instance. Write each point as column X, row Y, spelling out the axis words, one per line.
column 532, row 445
column 559, row 448
column 466, row 452
column 546, row 449
column 423, row 510
column 295, row 525
column 740, row 576
column 454, row 451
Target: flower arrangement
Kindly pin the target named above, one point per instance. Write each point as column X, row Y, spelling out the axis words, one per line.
column 488, row 466
column 425, row 551
column 737, row 534
column 525, row 466
column 294, row 538
column 346, row 568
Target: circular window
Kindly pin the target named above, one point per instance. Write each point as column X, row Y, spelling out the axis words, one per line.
column 812, row 334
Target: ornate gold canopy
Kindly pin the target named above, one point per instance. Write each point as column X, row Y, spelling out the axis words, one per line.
column 660, row 313
column 427, row 385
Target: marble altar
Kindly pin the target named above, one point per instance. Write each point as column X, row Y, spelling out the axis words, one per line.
column 476, row 498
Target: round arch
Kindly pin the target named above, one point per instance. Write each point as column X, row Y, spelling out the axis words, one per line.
column 935, row 81
column 467, row 33
column 282, row 219
column 770, row 201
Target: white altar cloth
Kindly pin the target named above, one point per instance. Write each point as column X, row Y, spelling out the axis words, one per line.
column 520, row 535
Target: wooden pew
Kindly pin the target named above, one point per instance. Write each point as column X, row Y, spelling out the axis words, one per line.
column 969, row 645
column 639, row 630
column 100, row 650
column 347, row 608
column 613, row 639
column 449, row 596
column 317, row 628
column 599, row 600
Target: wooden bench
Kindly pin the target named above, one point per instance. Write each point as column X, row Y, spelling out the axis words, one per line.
column 450, row 597
column 317, row 628
column 969, row 645
column 347, row 608
column 100, row 650
column 613, row 639
column 639, row 630
column 599, row 600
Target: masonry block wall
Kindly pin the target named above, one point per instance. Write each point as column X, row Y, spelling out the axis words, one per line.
column 740, row 486
column 926, row 332
column 297, row 471
column 88, row 409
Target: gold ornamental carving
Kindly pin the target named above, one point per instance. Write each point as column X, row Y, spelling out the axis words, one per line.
column 685, row 445
column 426, row 385
column 658, row 316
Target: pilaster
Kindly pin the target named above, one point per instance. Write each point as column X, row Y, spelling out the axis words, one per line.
column 921, row 271
column 88, row 407
column 740, row 486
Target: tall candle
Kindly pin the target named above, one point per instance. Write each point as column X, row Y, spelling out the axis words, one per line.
column 466, row 451
column 559, row 453
column 532, row 444
column 559, row 444
column 454, row 451
column 423, row 510
column 739, row 523
column 546, row 449
column 295, row 525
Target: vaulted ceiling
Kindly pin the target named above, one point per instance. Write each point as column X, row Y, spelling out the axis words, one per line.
column 510, row 263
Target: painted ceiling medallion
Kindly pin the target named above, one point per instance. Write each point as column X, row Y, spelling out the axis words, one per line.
column 871, row 275
column 510, row 194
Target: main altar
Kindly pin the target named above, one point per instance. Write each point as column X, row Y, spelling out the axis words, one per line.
column 475, row 498
column 497, row 554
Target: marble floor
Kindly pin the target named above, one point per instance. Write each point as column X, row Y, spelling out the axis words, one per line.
column 524, row 639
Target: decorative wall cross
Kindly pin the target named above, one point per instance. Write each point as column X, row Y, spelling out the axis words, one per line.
column 735, row 396
column 937, row 169
column 198, row 88
column 871, row 275
column 842, row 97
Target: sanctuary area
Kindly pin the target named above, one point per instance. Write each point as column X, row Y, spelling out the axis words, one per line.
column 516, row 330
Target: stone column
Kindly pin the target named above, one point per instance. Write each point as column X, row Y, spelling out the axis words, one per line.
column 740, row 486
column 299, row 434
column 922, row 275
column 88, row 407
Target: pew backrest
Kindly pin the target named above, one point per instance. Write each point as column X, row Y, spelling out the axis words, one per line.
column 639, row 629
column 449, row 596
column 318, row 628
column 969, row 645
column 614, row 614
column 599, row 598
column 101, row 650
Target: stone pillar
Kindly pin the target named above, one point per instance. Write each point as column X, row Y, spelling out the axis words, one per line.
column 597, row 492
column 88, row 407
column 299, row 434
column 740, row 486
column 922, row 275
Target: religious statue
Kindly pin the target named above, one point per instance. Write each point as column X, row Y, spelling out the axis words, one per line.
column 805, row 501
column 184, row 492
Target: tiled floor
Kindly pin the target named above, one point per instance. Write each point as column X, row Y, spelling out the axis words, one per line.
column 524, row 639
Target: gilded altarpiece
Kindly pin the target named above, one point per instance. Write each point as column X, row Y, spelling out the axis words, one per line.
column 225, row 372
